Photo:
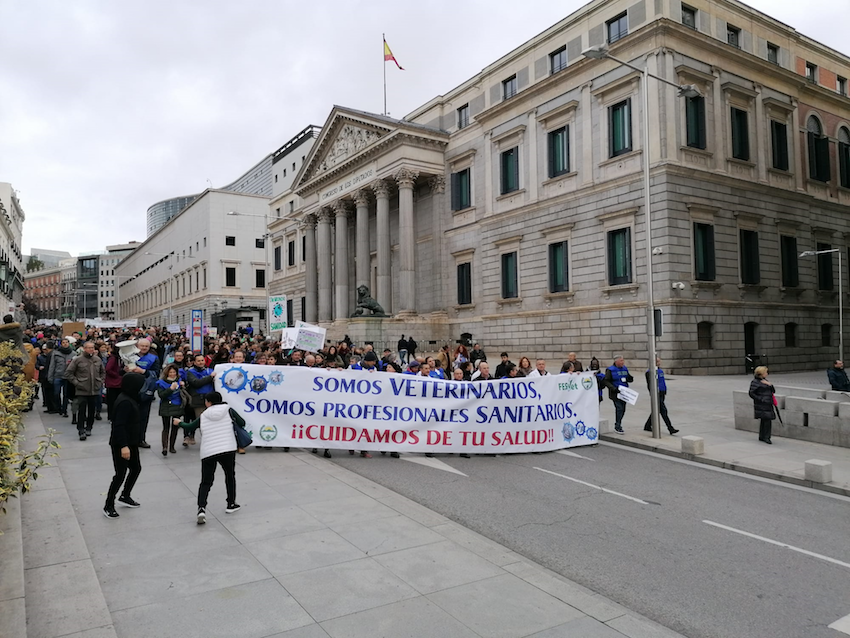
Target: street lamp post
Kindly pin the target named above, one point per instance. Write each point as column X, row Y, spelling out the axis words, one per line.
column 815, row 253
column 687, row 90
column 85, row 298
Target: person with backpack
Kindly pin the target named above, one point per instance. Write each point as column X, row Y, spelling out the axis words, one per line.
column 218, row 447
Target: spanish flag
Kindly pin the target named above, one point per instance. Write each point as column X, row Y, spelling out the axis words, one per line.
column 388, row 55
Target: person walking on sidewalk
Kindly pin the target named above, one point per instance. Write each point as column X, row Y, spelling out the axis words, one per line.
column 617, row 376
column 218, row 447
column 85, row 373
column 837, row 376
column 59, row 360
column 662, row 394
column 148, row 364
column 761, row 392
column 124, row 443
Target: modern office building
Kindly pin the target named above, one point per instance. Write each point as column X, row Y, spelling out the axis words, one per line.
column 270, row 176
column 49, row 258
column 210, row 257
column 107, row 284
column 11, row 259
column 512, row 207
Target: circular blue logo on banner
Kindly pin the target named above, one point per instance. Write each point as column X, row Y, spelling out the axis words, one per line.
column 234, row 379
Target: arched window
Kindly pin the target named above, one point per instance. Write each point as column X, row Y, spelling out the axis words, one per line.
column 818, row 150
column 791, row 335
column 826, row 335
column 844, row 156
column 705, row 335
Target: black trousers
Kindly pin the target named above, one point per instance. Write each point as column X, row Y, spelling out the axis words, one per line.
column 144, row 416
column 111, row 395
column 227, row 460
column 88, row 408
column 662, row 410
column 765, row 427
column 133, row 464
column 47, row 393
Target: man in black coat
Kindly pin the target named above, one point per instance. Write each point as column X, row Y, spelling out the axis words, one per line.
column 124, row 442
column 838, row 377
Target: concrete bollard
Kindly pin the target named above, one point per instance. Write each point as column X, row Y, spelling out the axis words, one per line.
column 605, row 426
column 818, row 471
column 693, row 445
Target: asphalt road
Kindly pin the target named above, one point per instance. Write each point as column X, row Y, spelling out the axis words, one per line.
column 657, row 557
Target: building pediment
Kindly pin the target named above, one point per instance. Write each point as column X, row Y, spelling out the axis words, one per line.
column 350, row 137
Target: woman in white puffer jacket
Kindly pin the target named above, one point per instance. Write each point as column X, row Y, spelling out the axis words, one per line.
column 218, row 447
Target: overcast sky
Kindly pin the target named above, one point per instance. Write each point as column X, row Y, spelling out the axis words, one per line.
column 108, row 107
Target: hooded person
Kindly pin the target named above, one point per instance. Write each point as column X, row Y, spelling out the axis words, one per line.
column 124, row 442
column 218, row 447
column 11, row 330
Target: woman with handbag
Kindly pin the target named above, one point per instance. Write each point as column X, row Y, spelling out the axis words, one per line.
column 761, row 392
column 218, row 447
column 171, row 404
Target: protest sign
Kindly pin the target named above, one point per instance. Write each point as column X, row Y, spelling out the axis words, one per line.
column 277, row 312
column 173, row 328
column 356, row 409
column 628, row 395
column 288, row 337
column 310, row 338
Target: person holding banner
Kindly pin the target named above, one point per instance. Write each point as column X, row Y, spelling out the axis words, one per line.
column 617, row 376
column 200, row 380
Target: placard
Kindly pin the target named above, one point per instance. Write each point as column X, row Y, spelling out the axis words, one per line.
column 197, row 334
column 310, row 338
column 277, row 312
column 628, row 395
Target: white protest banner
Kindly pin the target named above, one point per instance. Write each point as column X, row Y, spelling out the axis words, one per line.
column 288, row 337
column 355, row 409
column 628, row 395
column 173, row 328
column 310, row 338
column 277, row 312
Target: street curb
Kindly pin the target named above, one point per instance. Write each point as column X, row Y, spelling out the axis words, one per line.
column 735, row 467
column 12, row 601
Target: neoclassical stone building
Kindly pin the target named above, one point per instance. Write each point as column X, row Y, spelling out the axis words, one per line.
column 512, row 208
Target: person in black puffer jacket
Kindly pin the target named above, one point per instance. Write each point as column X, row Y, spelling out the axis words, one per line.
column 761, row 392
column 124, row 442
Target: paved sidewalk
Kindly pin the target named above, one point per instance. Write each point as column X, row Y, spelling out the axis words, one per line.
column 702, row 406
column 316, row 551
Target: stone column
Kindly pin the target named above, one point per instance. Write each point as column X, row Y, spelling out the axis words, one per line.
column 361, row 257
column 323, row 250
column 438, row 200
column 311, row 297
column 384, row 293
column 406, row 240
column 341, row 310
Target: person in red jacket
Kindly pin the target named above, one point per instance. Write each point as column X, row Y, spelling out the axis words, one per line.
column 112, row 380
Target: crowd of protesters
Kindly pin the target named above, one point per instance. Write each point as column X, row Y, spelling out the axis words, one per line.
column 84, row 371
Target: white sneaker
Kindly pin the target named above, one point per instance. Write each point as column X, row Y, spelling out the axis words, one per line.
column 202, row 516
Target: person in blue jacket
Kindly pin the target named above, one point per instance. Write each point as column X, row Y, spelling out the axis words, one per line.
column 617, row 376
column 662, row 393
column 170, row 405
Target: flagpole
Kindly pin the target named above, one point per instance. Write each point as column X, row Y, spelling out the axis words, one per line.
column 383, row 50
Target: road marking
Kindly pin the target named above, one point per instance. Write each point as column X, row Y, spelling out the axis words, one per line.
column 842, row 625
column 780, row 544
column 573, row 454
column 723, row 470
column 596, row 487
column 432, row 463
